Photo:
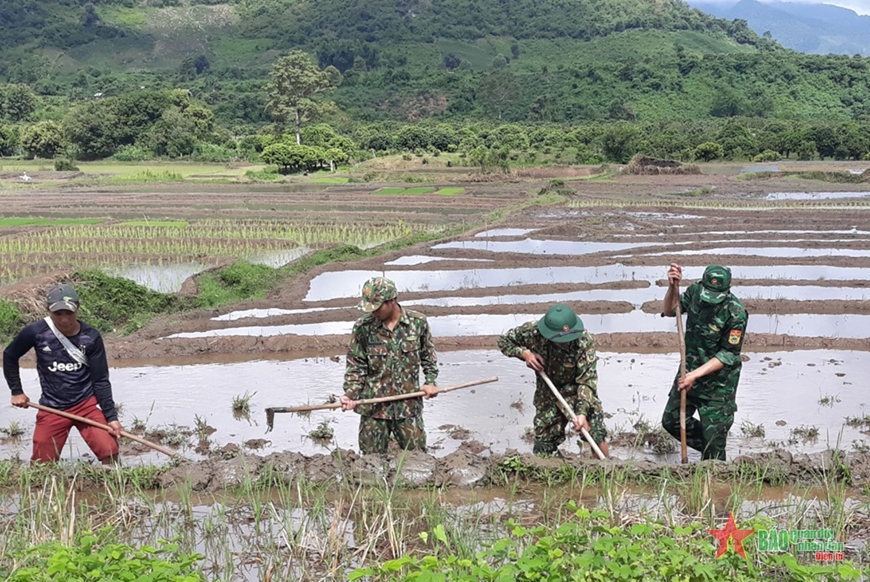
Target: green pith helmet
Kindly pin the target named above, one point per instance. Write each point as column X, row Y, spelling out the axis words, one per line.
column 560, row 324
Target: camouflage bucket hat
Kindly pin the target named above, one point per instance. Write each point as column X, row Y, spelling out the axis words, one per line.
column 560, row 324
column 715, row 284
column 375, row 292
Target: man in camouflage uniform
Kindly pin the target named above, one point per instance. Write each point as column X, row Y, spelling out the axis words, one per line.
column 715, row 331
column 388, row 347
column 559, row 345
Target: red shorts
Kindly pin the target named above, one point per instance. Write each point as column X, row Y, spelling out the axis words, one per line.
column 52, row 430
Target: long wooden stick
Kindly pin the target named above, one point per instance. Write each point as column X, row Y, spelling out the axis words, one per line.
column 683, row 449
column 270, row 412
column 124, row 433
column 571, row 414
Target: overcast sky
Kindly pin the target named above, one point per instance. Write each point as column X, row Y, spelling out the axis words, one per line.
column 859, row 6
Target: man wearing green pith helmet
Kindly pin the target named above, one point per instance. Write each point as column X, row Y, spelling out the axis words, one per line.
column 715, row 331
column 389, row 345
column 560, row 346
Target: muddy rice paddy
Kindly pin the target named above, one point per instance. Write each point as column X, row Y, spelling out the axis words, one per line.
column 800, row 255
column 801, row 264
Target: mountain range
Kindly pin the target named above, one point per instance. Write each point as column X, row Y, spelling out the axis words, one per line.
column 809, row 28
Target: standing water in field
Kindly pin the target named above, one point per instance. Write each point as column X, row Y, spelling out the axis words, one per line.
column 787, row 392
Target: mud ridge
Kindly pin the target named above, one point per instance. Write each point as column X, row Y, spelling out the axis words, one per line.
column 466, row 467
column 293, row 346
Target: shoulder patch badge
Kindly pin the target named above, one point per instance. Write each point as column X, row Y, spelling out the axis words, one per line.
column 734, row 337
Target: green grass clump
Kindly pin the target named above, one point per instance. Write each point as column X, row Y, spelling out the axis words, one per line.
column 11, row 320
column 450, row 191
column 240, row 281
column 148, row 176
column 118, row 304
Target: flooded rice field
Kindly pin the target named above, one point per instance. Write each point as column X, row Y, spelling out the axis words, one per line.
column 808, row 400
column 249, row 499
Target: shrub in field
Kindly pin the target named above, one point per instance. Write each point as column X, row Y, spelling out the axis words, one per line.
column 94, row 559
column 589, row 547
column 767, row 156
column 208, row 152
column 709, row 151
column 63, row 165
column 132, row 154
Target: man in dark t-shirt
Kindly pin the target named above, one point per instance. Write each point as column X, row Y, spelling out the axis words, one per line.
column 74, row 376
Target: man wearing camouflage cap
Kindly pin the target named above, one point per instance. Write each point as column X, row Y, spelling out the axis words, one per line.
column 388, row 347
column 715, row 331
column 559, row 345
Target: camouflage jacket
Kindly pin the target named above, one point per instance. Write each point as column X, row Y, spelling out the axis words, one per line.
column 384, row 362
column 571, row 366
column 714, row 331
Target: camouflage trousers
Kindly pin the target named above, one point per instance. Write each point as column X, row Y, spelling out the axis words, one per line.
column 375, row 433
column 550, row 424
column 707, row 435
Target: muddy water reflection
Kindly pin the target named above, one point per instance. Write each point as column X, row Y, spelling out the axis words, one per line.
column 773, row 252
column 774, row 386
column 639, row 296
column 504, row 232
column 545, row 247
column 164, row 278
column 634, row 296
column 340, row 284
column 847, row 326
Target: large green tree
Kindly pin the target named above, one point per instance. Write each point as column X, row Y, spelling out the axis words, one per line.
column 295, row 81
column 93, row 129
column 43, row 139
column 17, row 101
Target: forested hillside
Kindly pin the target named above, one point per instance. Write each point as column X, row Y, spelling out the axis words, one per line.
column 178, row 77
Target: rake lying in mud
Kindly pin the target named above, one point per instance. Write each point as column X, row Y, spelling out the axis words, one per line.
column 270, row 412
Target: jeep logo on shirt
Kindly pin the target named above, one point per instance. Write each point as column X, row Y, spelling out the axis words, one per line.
column 61, row 367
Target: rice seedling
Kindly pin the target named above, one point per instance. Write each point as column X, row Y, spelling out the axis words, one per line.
column 829, row 400
column 242, row 402
column 805, row 433
column 323, row 432
column 858, row 421
column 752, row 430
column 100, row 245
column 276, row 525
column 13, row 430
